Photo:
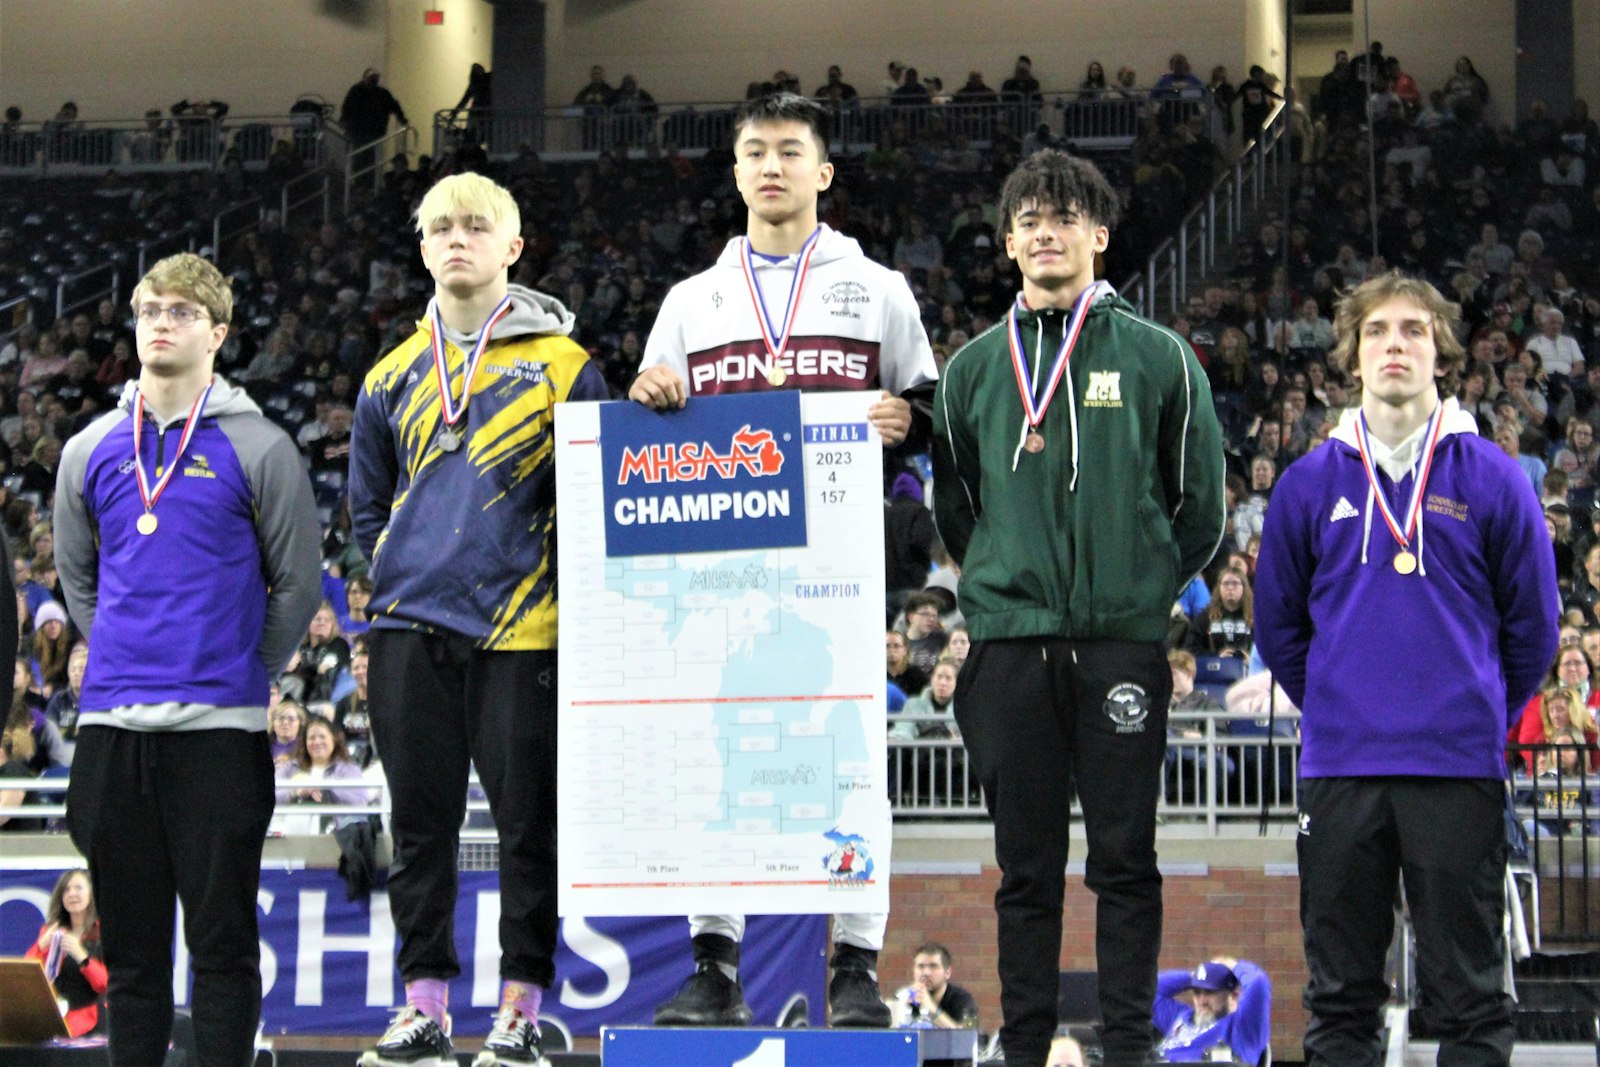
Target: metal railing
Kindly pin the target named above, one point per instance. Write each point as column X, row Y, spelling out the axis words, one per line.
column 1193, row 250
column 367, row 163
column 154, row 248
column 1111, row 119
column 224, row 230
column 310, row 190
column 14, row 314
column 166, row 144
column 71, row 294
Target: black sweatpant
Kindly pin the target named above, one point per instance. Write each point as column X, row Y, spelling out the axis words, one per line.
column 1445, row 837
column 1037, row 714
column 171, row 816
column 436, row 703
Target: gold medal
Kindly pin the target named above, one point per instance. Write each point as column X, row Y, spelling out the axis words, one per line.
column 147, row 524
column 1034, row 442
column 1405, row 562
column 777, row 376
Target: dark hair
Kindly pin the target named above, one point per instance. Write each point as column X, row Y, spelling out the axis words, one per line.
column 56, row 910
column 785, row 107
column 933, row 948
column 1052, row 177
column 340, row 753
column 917, row 601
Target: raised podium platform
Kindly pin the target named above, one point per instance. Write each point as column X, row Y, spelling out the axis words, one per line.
column 694, row 1047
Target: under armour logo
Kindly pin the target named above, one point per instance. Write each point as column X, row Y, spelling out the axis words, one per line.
column 1343, row 510
column 1305, row 824
column 716, row 299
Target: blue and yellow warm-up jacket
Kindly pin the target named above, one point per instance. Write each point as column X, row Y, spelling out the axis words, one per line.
column 463, row 542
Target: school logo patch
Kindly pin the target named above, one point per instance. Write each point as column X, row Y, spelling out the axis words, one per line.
column 1128, row 706
column 1105, row 389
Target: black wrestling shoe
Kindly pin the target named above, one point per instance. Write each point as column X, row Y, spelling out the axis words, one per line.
column 854, row 1000
column 514, row 1040
column 707, row 998
column 412, row 1040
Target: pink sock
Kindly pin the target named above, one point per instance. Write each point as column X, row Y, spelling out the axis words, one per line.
column 430, row 996
column 524, row 997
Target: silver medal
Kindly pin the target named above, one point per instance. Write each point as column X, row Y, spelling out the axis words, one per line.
column 449, row 440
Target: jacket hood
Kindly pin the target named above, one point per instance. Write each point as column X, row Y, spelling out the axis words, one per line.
column 225, row 399
column 1455, row 421
column 831, row 245
column 532, row 312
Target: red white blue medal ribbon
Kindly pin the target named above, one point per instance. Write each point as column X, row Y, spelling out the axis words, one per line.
column 1019, row 357
column 1419, row 485
column 776, row 336
column 147, row 494
column 453, row 412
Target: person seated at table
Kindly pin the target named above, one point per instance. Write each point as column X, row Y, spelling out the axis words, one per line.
column 69, row 947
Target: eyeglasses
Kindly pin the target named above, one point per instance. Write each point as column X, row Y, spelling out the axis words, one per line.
column 181, row 315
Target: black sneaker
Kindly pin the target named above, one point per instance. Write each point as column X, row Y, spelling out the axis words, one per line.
column 412, row 1040
column 514, row 1039
column 707, row 998
column 854, row 1000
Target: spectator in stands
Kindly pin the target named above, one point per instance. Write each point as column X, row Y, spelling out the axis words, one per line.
column 908, row 541
column 365, row 115
column 931, row 998
column 1555, row 709
column 1255, row 103
column 44, row 365
column 1223, row 95
column 924, row 633
column 1022, row 86
column 1563, row 169
column 52, row 645
column 351, row 715
column 975, row 92
column 65, row 703
column 1093, row 85
column 320, row 757
column 331, row 451
column 316, row 664
column 918, row 248
column 1229, row 1004
column 911, row 93
column 1179, row 82
column 1556, row 349
column 69, row 947
column 1308, row 329
column 358, row 594
column 1467, row 83
column 1506, row 435
column 956, row 649
column 902, row 672
column 937, row 698
column 1563, row 806
column 1225, row 628
column 598, row 93
column 836, row 91
column 1126, row 85
column 276, row 361
column 894, row 77
column 288, row 722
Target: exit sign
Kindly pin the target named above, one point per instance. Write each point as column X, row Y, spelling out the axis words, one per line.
column 433, row 18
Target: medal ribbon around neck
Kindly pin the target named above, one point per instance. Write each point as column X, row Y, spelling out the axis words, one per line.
column 453, row 412
column 148, row 495
column 1069, row 339
column 777, row 344
column 1420, row 471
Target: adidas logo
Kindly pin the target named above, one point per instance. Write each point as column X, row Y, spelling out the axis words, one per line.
column 1343, row 510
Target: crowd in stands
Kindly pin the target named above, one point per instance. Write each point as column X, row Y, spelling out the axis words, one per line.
column 1504, row 216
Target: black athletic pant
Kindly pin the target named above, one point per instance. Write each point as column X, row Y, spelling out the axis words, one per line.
column 1037, row 713
column 170, row 816
column 436, row 702
column 1446, row 838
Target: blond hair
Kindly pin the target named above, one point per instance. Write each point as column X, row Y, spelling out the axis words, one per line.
column 1359, row 302
column 193, row 278
column 470, row 194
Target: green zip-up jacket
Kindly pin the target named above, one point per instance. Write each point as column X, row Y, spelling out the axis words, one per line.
column 1094, row 536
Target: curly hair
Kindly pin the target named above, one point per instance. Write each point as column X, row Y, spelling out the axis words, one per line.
column 1052, row 177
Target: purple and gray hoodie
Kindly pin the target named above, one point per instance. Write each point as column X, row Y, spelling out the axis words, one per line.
column 1415, row 674
column 187, row 625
